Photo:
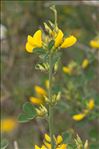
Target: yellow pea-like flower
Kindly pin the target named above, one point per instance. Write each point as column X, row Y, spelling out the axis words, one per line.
column 91, row 104
column 43, row 147
column 47, row 138
column 39, row 90
column 48, row 145
column 78, row 117
column 34, row 42
column 37, row 147
column 38, row 38
column 94, row 44
column 59, row 139
column 85, row 63
column 59, row 38
column 68, row 42
column 8, row 125
column 67, row 70
column 63, row 146
column 36, row 101
column 29, row 47
column 30, row 40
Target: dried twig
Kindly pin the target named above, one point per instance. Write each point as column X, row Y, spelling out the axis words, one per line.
column 16, row 145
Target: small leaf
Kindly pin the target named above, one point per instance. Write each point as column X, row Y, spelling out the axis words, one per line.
column 66, row 137
column 29, row 109
column 23, row 118
column 29, row 113
column 51, row 44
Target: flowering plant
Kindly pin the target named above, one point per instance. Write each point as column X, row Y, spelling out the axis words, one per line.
column 48, row 45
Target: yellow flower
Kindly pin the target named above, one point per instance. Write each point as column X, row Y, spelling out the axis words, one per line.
column 68, row 42
column 94, row 43
column 39, row 90
column 37, row 147
column 59, row 139
column 78, row 117
column 85, row 63
column 67, row 70
column 59, row 38
column 63, row 146
column 8, row 125
column 91, row 104
column 47, row 138
column 36, row 101
column 34, row 42
column 47, row 143
column 63, row 43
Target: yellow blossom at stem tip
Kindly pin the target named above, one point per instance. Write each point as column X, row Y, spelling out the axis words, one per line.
column 59, row 38
column 34, row 42
column 68, row 42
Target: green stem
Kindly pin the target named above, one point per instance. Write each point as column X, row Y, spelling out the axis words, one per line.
column 50, row 98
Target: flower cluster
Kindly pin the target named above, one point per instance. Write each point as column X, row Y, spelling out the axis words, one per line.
column 39, row 39
column 72, row 67
column 58, row 142
column 80, row 116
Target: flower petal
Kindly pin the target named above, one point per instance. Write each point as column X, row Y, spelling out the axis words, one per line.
column 36, row 147
column 29, row 47
column 39, row 90
column 68, row 42
column 36, row 101
column 47, row 138
column 78, row 117
column 30, row 40
column 38, row 38
column 67, row 70
column 59, row 38
column 59, row 139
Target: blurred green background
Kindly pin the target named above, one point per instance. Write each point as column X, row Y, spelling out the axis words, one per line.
column 18, row 74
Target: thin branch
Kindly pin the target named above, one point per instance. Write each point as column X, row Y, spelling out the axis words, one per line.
column 16, row 145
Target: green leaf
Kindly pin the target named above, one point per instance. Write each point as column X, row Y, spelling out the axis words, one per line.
column 23, row 118
column 51, row 44
column 29, row 109
column 28, row 114
column 4, row 144
column 67, row 136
